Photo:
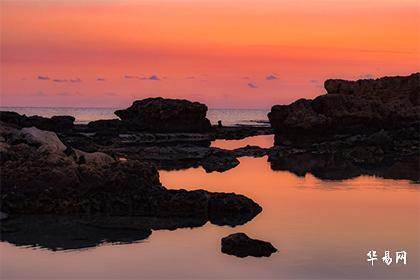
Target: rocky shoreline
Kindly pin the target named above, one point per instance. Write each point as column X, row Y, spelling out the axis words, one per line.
column 105, row 173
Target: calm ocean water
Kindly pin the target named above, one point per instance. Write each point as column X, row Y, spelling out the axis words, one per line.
column 85, row 115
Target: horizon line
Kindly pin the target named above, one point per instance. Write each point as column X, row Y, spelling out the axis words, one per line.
column 80, row 107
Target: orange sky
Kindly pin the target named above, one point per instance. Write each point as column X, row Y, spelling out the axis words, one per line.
column 199, row 50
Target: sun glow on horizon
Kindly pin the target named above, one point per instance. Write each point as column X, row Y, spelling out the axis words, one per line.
column 222, row 53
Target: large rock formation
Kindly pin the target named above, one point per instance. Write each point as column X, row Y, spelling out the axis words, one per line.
column 359, row 127
column 349, row 107
column 166, row 115
column 40, row 175
column 55, row 123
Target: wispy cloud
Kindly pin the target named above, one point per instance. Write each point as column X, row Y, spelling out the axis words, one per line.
column 271, row 77
column 43, row 78
column 154, row 78
column 252, row 85
column 75, row 80
column 100, row 79
column 190, row 78
column 60, row 81
column 314, row 81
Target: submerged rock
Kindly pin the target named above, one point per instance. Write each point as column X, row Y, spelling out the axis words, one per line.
column 166, row 115
column 240, row 245
column 38, row 179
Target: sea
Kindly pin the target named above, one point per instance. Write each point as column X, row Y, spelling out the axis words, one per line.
column 323, row 229
column 85, row 115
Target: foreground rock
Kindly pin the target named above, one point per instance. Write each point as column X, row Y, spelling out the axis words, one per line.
column 240, row 245
column 358, row 127
column 55, row 123
column 166, row 115
column 42, row 176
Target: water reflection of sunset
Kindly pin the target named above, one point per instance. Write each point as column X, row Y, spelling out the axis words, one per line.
column 322, row 219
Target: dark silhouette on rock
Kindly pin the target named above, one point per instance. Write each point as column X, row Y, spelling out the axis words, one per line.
column 240, row 245
column 166, row 115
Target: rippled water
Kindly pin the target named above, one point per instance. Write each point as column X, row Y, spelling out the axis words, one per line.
column 85, row 115
column 322, row 228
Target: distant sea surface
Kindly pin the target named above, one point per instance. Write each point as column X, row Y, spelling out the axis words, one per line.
column 85, row 115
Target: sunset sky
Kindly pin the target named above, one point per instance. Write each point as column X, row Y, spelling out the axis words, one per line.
column 227, row 54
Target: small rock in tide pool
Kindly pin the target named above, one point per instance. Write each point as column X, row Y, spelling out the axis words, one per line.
column 240, row 245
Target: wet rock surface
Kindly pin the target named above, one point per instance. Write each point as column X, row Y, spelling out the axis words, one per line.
column 240, row 245
column 42, row 176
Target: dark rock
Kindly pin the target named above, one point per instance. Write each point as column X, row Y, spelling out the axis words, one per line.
column 240, row 132
column 55, row 123
column 240, row 245
column 40, row 175
column 219, row 160
column 250, row 151
column 105, row 125
column 166, row 115
column 349, row 107
column 358, row 127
